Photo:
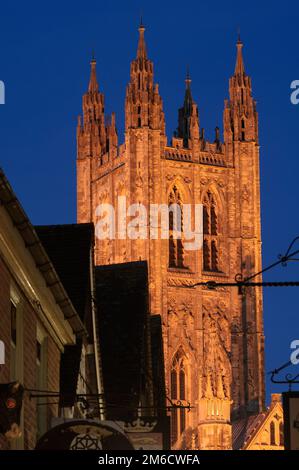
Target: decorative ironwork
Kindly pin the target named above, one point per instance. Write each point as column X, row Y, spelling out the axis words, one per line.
column 241, row 282
column 88, row 399
column 282, row 259
column 183, row 404
column 290, row 378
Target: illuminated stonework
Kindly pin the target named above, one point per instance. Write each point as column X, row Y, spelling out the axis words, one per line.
column 263, row 431
column 213, row 339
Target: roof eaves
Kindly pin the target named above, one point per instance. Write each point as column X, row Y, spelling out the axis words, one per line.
column 32, row 242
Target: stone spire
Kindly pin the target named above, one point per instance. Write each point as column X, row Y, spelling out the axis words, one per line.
column 112, row 139
column 93, row 86
column 239, row 68
column 141, row 49
column 91, row 133
column 188, row 125
column 188, row 101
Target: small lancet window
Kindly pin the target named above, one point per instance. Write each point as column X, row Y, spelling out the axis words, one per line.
column 176, row 242
column 272, row 434
column 178, row 392
column 211, row 234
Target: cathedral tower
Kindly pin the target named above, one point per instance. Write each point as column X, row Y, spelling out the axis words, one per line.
column 240, row 124
column 213, row 339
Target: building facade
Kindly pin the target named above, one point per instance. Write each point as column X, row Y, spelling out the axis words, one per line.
column 213, row 339
column 45, row 327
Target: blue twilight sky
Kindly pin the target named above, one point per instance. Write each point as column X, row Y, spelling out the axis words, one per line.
column 45, row 48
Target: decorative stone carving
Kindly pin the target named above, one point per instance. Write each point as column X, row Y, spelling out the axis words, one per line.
column 186, row 307
column 204, row 180
column 139, row 181
column 181, row 320
column 217, row 368
column 235, row 326
column 245, row 194
column 177, row 282
column 187, row 180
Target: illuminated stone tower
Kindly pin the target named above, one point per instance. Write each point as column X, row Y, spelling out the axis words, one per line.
column 213, row 339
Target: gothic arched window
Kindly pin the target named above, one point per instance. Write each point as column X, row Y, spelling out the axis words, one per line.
column 211, row 232
column 272, row 434
column 176, row 245
column 178, row 393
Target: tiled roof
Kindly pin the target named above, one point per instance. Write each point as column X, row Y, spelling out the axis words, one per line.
column 69, row 247
column 244, row 429
column 18, row 216
column 122, row 300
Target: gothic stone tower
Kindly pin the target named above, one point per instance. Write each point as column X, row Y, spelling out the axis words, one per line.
column 213, row 339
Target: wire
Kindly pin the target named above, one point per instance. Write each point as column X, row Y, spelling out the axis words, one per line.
column 214, row 284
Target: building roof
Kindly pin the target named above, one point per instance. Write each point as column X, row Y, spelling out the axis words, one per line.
column 122, row 300
column 247, row 432
column 69, row 249
column 18, row 216
column 243, row 429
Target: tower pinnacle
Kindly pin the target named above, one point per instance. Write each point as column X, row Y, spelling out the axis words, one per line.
column 141, row 50
column 188, row 95
column 188, row 126
column 93, row 86
column 144, row 106
column 188, row 79
column 240, row 115
column 239, row 69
